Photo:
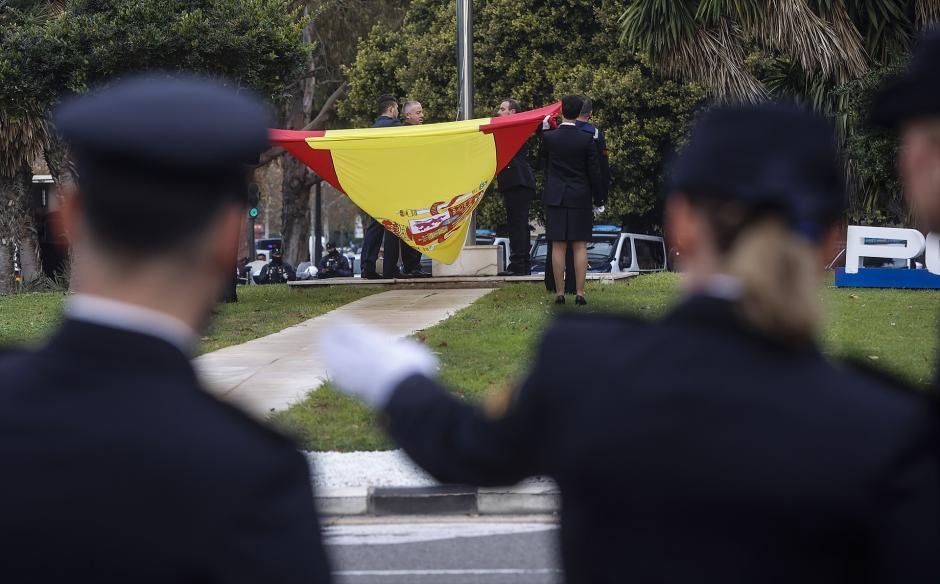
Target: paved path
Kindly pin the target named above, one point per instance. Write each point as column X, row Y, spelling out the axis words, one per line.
column 272, row 372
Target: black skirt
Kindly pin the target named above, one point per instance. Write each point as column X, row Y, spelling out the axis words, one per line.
column 567, row 224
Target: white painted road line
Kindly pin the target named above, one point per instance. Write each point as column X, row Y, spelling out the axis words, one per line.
column 394, row 534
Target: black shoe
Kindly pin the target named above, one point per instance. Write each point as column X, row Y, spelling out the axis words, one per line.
column 416, row 273
column 560, row 299
column 371, row 274
column 580, row 301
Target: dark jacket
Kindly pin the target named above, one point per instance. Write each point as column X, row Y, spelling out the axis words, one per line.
column 517, row 174
column 603, row 156
column 692, row 450
column 118, row 467
column 334, row 265
column 572, row 171
column 385, row 122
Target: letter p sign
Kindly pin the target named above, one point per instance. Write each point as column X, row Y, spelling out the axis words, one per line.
column 905, row 244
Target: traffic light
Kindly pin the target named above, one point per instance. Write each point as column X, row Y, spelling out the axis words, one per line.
column 254, row 199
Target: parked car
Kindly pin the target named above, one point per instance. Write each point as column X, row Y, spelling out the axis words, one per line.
column 611, row 250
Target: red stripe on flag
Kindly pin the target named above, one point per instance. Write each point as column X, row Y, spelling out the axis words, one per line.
column 511, row 132
column 295, row 142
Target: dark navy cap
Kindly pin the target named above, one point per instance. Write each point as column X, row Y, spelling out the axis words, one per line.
column 916, row 93
column 769, row 157
column 185, row 124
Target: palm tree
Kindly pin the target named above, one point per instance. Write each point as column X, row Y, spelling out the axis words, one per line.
column 709, row 41
column 22, row 137
column 750, row 50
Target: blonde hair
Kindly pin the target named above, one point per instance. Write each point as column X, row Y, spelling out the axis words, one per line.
column 776, row 268
column 779, row 278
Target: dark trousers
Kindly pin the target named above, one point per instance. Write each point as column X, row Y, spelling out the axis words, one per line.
column 517, row 201
column 394, row 247
column 371, row 242
column 570, row 286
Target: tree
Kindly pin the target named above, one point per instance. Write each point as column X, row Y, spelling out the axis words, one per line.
column 534, row 51
column 60, row 48
column 827, row 54
column 333, row 29
column 23, row 134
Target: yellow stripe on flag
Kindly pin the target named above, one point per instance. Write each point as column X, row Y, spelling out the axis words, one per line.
column 450, row 167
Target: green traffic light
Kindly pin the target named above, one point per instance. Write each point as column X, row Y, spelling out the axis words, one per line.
column 253, row 212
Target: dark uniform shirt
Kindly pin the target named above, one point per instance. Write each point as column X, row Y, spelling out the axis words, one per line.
column 517, row 174
column 118, row 467
column 693, row 450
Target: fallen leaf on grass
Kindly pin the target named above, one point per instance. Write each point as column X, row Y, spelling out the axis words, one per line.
column 853, row 296
column 443, row 344
column 873, row 357
column 421, row 338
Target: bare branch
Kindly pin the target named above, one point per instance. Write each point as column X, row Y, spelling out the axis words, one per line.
column 271, row 155
column 319, row 122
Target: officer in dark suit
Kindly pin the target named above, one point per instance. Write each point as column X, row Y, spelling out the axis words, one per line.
column 374, row 232
column 573, row 185
column 118, row 466
column 719, row 444
column 517, row 186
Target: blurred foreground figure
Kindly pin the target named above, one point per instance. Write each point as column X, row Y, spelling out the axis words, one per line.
column 911, row 105
column 717, row 445
column 118, row 467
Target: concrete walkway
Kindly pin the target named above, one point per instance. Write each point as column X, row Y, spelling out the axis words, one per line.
column 271, row 373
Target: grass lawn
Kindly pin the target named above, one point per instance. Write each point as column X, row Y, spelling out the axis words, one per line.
column 260, row 310
column 488, row 345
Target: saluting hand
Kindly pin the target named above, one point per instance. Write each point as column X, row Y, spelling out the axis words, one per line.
column 368, row 364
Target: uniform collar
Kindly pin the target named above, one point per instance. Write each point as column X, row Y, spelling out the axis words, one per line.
column 124, row 316
column 563, row 124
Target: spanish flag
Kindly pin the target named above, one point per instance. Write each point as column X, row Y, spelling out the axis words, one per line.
column 421, row 182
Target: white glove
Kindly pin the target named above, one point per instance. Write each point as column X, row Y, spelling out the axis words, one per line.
column 598, row 210
column 368, row 364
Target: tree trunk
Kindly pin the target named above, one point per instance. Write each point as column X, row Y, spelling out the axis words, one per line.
column 7, row 285
column 8, row 223
column 29, row 255
column 297, row 181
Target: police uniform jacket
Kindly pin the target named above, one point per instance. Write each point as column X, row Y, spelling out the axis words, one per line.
column 517, row 174
column 603, row 156
column 572, row 171
column 118, row 467
column 693, row 450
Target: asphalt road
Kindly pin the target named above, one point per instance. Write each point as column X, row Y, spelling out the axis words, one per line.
column 445, row 550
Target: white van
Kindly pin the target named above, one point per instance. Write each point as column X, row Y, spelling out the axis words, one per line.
column 611, row 250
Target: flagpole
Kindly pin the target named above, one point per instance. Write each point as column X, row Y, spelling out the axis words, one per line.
column 465, row 78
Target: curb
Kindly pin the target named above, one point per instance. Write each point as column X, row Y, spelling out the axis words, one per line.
column 439, row 500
